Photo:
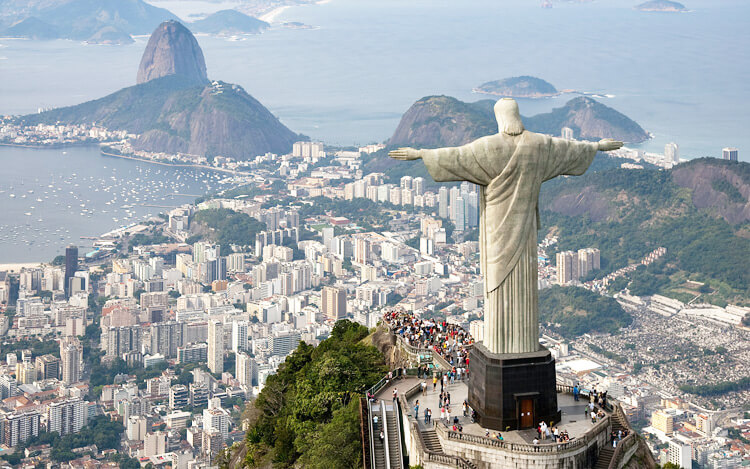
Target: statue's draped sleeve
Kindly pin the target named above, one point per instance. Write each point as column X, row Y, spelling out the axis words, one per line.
column 468, row 162
column 568, row 157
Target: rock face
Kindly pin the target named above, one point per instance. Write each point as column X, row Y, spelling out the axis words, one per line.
column 723, row 186
column 518, row 87
column 172, row 50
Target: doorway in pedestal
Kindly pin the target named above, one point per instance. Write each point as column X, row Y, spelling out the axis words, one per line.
column 527, row 413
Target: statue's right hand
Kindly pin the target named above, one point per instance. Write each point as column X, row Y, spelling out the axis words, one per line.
column 404, row 154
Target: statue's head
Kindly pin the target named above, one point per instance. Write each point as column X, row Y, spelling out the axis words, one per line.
column 508, row 117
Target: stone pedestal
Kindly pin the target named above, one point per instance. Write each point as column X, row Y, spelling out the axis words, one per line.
column 512, row 391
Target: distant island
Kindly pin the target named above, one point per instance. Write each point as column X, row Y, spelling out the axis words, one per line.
column 661, row 5
column 518, row 87
column 229, row 22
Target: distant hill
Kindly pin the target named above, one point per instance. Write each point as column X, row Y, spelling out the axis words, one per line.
column 661, row 5
column 698, row 210
column 436, row 121
column 174, row 109
column 590, row 120
column 518, row 87
column 229, row 22
column 31, row 28
column 110, row 35
column 83, row 19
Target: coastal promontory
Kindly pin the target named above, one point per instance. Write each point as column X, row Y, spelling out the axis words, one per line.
column 174, row 108
column 518, row 87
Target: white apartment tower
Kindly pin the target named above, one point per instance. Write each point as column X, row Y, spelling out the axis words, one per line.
column 215, row 346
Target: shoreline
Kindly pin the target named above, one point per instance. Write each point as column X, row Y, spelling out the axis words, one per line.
column 15, row 267
column 175, row 165
column 52, row 147
column 270, row 17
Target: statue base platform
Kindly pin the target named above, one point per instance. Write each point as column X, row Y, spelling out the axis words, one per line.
column 512, row 391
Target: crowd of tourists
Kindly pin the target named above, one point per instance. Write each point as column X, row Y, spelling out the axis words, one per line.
column 446, row 339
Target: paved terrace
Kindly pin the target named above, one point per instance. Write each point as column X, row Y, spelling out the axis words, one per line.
column 574, row 419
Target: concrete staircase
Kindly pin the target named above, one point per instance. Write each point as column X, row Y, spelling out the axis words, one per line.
column 431, row 441
column 606, row 453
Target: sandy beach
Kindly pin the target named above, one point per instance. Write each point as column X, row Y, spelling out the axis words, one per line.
column 15, row 268
column 271, row 16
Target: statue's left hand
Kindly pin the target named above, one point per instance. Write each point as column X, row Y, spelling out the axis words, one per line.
column 404, row 154
column 607, row 144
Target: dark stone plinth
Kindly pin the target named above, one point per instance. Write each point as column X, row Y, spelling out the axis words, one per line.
column 499, row 383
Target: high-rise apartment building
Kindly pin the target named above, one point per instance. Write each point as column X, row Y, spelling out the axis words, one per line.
column 71, row 357
column 240, row 336
column 167, row 337
column 443, row 199
column 730, row 153
column 48, row 367
column 215, row 346
column 672, row 153
column 19, row 427
column 334, row 302
column 246, row 370
column 67, row 416
column 71, row 266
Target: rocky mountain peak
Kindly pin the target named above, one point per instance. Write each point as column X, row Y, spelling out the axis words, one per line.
column 172, row 50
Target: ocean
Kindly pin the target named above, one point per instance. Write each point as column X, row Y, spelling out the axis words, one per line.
column 348, row 80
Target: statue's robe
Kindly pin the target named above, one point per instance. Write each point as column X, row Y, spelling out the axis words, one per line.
column 510, row 171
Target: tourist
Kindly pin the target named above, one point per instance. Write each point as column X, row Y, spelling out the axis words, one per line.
column 536, row 441
column 593, row 417
column 465, row 408
column 434, row 382
column 429, row 415
column 424, row 387
column 395, row 393
column 416, row 408
column 382, row 436
column 447, row 415
column 556, row 432
column 425, row 416
column 375, row 422
column 543, row 429
column 576, row 391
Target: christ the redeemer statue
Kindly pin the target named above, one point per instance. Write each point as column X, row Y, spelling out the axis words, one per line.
column 510, row 168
